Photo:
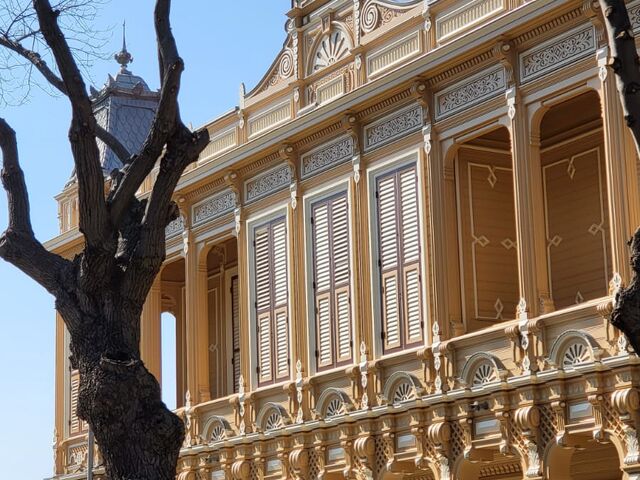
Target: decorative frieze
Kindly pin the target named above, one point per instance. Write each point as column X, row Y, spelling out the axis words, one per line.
column 327, row 156
column 220, row 143
column 392, row 127
column 634, row 15
column 214, row 206
column 469, row 14
column 558, row 52
column 175, row 228
column 391, row 55
column 470, row 92
column 267, row 183
column 269, row 119
column 330, row 90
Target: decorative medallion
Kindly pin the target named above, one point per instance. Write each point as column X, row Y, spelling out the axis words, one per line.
column 484, row 374
column 575, row 354
column 332, row 48
column 403, row 392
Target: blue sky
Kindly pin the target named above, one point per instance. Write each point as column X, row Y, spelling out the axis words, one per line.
column 223, row 44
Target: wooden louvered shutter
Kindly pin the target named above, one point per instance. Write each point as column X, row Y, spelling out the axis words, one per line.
column 263, row 303
column 280, row 298
column 342, row 294
column 75, row 424
column 330, row 231
column 272, row 292
column 235, row 331
column 388, row 262
column 399, row 261
column 410, row 231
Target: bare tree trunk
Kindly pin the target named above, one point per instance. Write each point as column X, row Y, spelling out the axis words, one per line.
column 101, row 292
column 625, row 64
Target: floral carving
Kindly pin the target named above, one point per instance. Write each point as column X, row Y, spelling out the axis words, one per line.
column 392, row 127
column 547, row 57
column 174, row 228
column 634, row 17
column 214, row 206
column 332, row 48
column 375, row 15
column 269, row 182
column 470, row 93
column 327, row 156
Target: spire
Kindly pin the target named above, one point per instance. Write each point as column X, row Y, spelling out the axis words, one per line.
column 124, row 58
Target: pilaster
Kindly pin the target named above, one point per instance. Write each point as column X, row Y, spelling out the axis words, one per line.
column 58, row 434
column 620, row 155
column 532, row 265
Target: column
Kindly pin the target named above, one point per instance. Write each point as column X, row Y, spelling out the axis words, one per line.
column 197, row 325
column 530, row 234
column 243, row 280
column 150, row 330
column 60, row 394
column 622, row 184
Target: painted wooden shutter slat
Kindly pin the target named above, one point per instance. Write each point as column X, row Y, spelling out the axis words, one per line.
column 387, row 210
column 75, row 424
column 413, row 305
column 325, row 354
column 409, row 210
column 235, row 322
column 280, row 289
column 282, row 343
column 343, row 323
column 264, row 347
column 322, row 253
column 263, row 269
column 391, row 311
column 340, row 240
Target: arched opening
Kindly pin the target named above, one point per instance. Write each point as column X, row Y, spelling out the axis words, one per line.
column 168, row 348
column 172, row 359
column 487, row 229
column 585, row 460
column 223, row 306
column 575, row 201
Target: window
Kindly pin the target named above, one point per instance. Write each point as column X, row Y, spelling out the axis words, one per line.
column 399, row 258
column 76, row 425
column 331, row 274
column 271, row 291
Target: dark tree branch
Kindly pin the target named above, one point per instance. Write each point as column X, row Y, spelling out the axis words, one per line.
column 94, row 221
column 54, row 80
column 18, row 244
column 625, row 62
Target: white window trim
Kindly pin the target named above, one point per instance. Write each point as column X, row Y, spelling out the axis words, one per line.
column 326, row 191
column 401, row 159
column 253, row 223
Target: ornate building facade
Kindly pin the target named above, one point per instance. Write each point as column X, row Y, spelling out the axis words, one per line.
column 397, row 257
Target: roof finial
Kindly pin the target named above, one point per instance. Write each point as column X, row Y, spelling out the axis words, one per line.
column 124, row 58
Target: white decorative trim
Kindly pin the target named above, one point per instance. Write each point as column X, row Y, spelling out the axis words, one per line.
column 393, row 54
column 270, row 118
column 214, row 207
column 470, row 92
column 557, row 52
column 393, row 126
column 462, row 18
column 327, row 156
column 269, row 182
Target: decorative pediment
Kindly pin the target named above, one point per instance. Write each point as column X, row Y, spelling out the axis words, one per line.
column 401, row 387
column 482, row 370
column 573, row 348
column 329, row 49
column 333, row 403
column 217, row 429
column 272, row 417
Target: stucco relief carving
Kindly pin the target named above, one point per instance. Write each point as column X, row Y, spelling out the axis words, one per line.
column 634, row 15
column 269, row 182
column 332, row 48
column 392, row 127
column 469, row 93
column 175, row 228
column 558, row 52
column 327, row 156
column 377, row 13
column 214, row 206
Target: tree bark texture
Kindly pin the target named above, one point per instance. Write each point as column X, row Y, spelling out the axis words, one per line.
column 100, row 293
column 626, row 66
